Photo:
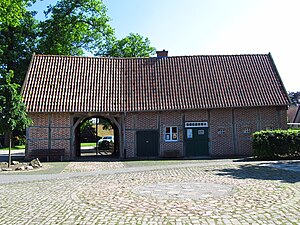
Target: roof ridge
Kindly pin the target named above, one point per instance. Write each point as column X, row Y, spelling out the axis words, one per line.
column 151, row 57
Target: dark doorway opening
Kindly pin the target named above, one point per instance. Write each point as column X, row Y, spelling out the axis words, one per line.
column 147, row 143
column 96, row 137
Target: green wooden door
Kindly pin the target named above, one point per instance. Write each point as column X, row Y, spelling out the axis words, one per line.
column 196, row 139
column 147, row 143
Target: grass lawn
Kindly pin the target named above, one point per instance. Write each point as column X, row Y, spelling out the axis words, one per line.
column 17, row 147
column 88, row 144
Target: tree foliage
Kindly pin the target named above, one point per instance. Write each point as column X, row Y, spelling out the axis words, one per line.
column 71, row 27
column 134, row 45
column 74, row 26
column 18, row 30
column 12, row 109
column 12, row 11
column 295, row 97
column 17, row 43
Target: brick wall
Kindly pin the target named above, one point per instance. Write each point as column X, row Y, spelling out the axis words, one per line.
column 229, row 129
column 130, row 143
column 60, row 120
column 268, row 118
column 36, row 144
column 282, row 114
column 153, row 121
column 273, row 117
column 39, row 119
column 196, row 115
column 238, row 125
column 60, row 127
column 221, row 132
column 135, row 122
column 246, row 121
column 38, row 132
column 49, row 131
column 146, row 121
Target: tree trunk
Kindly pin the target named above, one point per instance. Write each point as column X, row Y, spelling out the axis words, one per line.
column 9, row 150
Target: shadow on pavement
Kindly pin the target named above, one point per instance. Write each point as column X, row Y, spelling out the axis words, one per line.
column 4, row 158
column 261, row 172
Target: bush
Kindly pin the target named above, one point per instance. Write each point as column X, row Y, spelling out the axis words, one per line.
column 20, row 140
column 276, row 144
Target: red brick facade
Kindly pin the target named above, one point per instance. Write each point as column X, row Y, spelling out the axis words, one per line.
column 49, row 131
column 181, row 106
column 229, row 130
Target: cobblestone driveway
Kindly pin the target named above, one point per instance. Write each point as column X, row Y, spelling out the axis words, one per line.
column 253, row 194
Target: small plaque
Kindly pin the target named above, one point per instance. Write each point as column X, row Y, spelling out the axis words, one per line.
column 200, row 132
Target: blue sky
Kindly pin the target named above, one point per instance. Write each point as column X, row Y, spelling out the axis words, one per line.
column 199, row 27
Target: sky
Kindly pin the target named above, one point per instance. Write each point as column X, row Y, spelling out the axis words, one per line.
column 206, row 27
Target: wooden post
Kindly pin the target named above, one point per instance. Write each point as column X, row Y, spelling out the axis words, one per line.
column 121, row 149
column 96, row 135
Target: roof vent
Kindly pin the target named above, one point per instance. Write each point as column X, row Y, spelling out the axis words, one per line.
column 162, row 54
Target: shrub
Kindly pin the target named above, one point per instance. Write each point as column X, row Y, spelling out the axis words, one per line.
column 276, row 143
column 20, row 140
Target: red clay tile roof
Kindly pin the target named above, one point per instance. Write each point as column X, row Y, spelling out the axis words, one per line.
column 90, row 84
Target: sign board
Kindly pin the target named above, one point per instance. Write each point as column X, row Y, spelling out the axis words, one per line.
column 200, row 132
column 189, row 133
column 196, row 124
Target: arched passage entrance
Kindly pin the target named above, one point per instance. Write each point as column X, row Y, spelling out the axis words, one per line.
column 99, row 151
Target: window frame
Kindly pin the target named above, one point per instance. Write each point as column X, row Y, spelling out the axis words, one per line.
column 247, row 130
column 171, row 134
column 221, row 131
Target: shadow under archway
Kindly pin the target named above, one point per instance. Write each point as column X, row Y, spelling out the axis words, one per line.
column 97, row 148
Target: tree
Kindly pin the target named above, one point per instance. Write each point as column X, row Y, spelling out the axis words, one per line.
column 295, row 97
column 74, row 27
column 11, row 12
column 77, row 26
column 12, row 109
column 71, row 27
column 134, row 45
column 18, row 30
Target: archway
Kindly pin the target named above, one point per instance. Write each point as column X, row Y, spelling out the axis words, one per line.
column 96, row 136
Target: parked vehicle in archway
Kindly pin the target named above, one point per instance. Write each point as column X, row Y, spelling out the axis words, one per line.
column 106, row 138
column 105, row 142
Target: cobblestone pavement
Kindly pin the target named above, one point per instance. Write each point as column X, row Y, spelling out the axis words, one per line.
column 196, row 193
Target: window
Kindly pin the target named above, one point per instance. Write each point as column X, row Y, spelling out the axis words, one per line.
column 247, row 130
column 221, row 131
column 171, row 134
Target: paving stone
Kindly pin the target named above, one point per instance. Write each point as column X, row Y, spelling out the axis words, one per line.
column 160, row 195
